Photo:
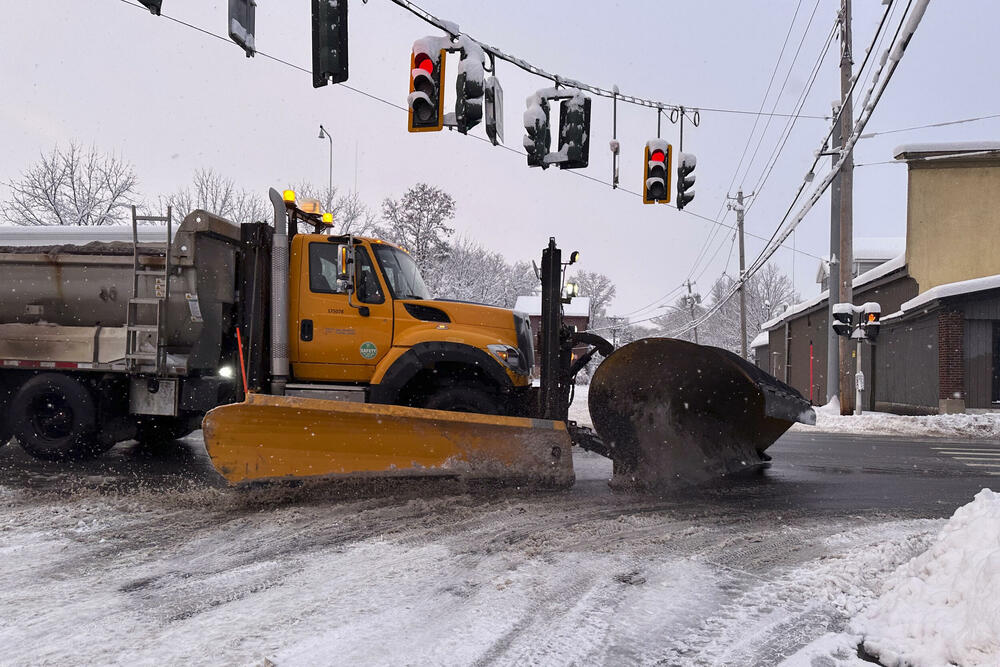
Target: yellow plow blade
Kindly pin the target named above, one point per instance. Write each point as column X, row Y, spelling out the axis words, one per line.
column 275, row 437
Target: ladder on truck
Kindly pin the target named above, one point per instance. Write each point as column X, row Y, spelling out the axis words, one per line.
column 146, row 317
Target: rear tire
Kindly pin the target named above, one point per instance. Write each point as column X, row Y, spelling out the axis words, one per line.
column 463, row 399
column 6, row 425
column 54, row 418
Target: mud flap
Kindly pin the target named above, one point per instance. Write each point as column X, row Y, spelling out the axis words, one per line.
column 278, row 437
column 669, row 410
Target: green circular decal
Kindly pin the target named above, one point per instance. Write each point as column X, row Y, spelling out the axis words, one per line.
column 368, row 350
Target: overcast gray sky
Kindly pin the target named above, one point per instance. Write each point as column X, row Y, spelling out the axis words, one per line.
column 172, row 100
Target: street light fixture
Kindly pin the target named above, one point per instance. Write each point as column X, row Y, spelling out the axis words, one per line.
column 323, row 134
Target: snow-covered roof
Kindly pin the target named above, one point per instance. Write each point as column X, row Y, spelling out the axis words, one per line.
column 921, row 150
column 18, row 235
column 879, row 271
column 760, row 340
column 952, row 289
column 878, row 248
column 532, row 305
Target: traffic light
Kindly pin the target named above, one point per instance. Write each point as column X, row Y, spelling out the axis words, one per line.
column 493, row 103
column 685, row 179
column 329, row 41
column 574, row 132
column 871, row 312
column 242, row 15
column 153, row 6
column 656, row 180
column 426, row 99
column 538, row 140
column 843, row 319
column 469, row 88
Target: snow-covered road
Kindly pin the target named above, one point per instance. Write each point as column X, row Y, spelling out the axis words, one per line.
column 97, row 569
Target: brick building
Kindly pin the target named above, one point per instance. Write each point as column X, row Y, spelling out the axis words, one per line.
column 939, row 349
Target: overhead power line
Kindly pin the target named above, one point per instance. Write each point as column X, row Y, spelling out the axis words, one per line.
column 891, row 58
column 454, row 31
column 946, row 123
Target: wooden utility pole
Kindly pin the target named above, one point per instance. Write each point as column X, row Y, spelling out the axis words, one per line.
column 740, row 208
column 833, row 276
column 691, row 302
column 846, row 256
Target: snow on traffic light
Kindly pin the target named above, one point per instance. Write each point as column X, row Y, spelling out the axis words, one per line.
column 537, row 139
column 329, row 41
column 685, row 179
column 843, row 319
column 426, row 98
column 574, row 132
column 656, row 175
column 242, row 20
column 470, row 86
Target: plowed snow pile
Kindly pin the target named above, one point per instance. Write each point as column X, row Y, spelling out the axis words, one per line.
column 828, row 418
column 943, row 607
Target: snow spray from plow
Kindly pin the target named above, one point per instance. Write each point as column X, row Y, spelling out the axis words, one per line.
column 672, row 411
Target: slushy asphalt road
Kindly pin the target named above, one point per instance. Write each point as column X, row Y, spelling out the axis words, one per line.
column 145, row 557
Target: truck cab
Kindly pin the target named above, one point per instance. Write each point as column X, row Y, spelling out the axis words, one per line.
column 363, row 326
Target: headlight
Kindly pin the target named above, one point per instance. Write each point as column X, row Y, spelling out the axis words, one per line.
column 227, row 372
column 510, row 357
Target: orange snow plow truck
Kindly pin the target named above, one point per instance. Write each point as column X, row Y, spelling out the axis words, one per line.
column 321, row 355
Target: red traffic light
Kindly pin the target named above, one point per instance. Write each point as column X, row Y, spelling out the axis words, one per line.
column 424, row 62
column 657, row 156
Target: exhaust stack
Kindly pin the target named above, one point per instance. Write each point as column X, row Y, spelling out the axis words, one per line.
column 279, row 295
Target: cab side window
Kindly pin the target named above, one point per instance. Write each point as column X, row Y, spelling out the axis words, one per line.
column 323, row 271
column 368, row 287
column 323, row 260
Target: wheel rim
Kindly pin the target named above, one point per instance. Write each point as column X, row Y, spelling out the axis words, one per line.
column 51, row 417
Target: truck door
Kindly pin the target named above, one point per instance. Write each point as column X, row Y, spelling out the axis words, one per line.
column 334, row 340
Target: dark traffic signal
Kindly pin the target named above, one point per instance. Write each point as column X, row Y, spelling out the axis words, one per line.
column 538, row 139
column 152, row 5
column 843, row 319
column 469, row 89
column 685, row 179
column 656, row 175
column 426, row 99
column 574, row 132
column 242, row 17
column 329, row 41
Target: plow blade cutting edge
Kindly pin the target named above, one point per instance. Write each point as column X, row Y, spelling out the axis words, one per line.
column 275, row 437
column 669, row 410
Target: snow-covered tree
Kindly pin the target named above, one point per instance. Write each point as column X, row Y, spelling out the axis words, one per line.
column 678, row 317
column 418, row 221
column 72, row 186
column 220, row 195
column 473, row 273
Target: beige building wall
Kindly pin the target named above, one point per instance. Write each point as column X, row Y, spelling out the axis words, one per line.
column 953, row 220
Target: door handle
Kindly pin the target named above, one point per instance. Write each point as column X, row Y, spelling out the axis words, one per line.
column 306, row 330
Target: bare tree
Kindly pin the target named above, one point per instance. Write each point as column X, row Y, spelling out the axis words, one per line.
column 72, row 186
column 217, row 194
column 601, row 291
column 767, row 292
column 350, row 214
column 676, row 322
column 418, row 222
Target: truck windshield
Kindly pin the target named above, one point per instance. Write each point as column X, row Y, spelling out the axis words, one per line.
column 401, row 273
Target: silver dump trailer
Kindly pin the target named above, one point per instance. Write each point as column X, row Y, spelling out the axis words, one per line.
column 107, row 340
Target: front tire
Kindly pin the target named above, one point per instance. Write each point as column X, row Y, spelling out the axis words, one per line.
column 458, row 398
column 54, row 418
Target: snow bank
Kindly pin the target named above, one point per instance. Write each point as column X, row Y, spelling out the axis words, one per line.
column 828, row 419
column 943, row 607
